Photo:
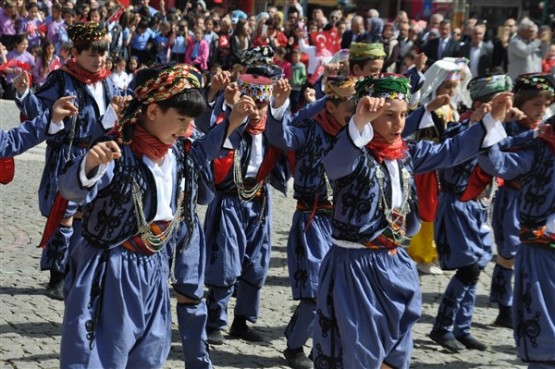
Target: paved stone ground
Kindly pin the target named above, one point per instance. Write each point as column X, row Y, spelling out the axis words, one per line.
column 30, row 323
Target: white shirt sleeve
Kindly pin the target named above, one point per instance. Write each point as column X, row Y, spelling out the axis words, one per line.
column 55, row 127
column 494, row 131
column 109, row 118
column 360, row 139
column 426, row 121
column 20, row 98
column 279, row 112
column 89, row 182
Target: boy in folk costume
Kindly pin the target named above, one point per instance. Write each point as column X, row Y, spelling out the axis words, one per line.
column 139, row 184
column 533, row 95
column 84, row 78
column 464, row 239
column 534, row 292
column 310, row 235
column 237, row 222
column 368, row 295
column 441, row 79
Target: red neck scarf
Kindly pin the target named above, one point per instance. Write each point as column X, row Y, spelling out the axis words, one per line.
column 75, row 70
column 382, row 150
column 257, row 127
column 529, row 124
column 549, row 138
column 330, row 125
column 144, row 143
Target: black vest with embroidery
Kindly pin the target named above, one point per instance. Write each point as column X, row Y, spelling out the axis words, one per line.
column 110, row 218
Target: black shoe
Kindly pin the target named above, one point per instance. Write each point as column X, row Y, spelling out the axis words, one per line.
column 56, row 291
column 296, row 359
column 215, row 336
column 447, row 340
column 471, row 343
column 239, row 329
column 505, row 317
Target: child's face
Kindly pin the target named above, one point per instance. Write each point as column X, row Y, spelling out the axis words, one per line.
column 33, row 12
column 535, row 108
column 22, row 46
column 343, row 111
column 551, row 52
column 448, row 88
column 108, row 65
column 198, row 34
column 132, row 64
column 167, row 126
column 69, row 18
column 50, row 50
column 90, row 61
column 371, row 67
column 121, row 66
column 295, row 58
column 392, row 122
column 95, row 16
column 208, row 26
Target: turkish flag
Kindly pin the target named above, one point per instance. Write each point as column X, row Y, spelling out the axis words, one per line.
column 124, row 3
column 326, row 39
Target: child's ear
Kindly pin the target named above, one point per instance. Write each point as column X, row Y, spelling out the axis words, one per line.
column 152, row 111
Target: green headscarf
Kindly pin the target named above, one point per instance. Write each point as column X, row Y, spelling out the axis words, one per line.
column 365, row 51
column 488, row 85
column 386, row 85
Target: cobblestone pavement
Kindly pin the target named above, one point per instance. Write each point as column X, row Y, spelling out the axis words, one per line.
column 30, row 323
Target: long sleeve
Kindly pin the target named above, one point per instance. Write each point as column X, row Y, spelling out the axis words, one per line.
column 428, row 156
column 506, row 165
column 519, row 48
column 23, row 137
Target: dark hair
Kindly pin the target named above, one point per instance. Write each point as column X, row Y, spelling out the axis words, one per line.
column 360, row 63
column 522, row 96
column 32, row 5
column 19, row 38
column 69, row 11
column 190, row 103
column 45, row 44
column 100, row 47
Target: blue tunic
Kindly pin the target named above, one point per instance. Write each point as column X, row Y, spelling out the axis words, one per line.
column 88, row 128
column 505, row 208
column 533, row 313
column 309, row 236
column 368, row 300
column 462, row 235
column 114, row 295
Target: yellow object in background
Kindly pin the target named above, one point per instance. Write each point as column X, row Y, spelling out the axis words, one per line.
column 422, row 248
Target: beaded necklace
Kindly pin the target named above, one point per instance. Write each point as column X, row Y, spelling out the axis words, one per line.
column 244, row 193
column 154, row 242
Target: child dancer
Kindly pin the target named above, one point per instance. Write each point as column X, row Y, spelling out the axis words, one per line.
column 533, row 102
column 464, row 240
column 139, row 184
column 368, row 294
column 84, row 78
column 310, row 235
column 237, row 223
column 534, row 293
